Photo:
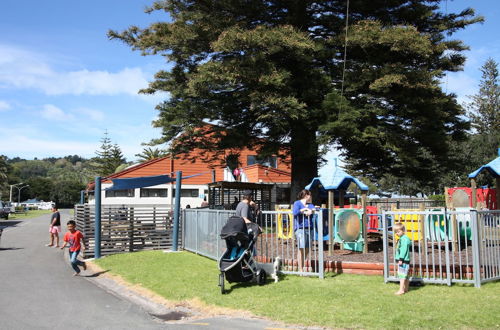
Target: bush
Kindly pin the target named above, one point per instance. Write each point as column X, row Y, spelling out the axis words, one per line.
column 437, row 198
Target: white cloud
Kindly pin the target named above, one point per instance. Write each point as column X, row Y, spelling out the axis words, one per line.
column 52, row 112
column 23, row 69
column 4, row 106
column 94, row 115
column 30, row 147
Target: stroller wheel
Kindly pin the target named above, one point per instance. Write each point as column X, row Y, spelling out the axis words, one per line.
column 221, row 283
column 261, row 277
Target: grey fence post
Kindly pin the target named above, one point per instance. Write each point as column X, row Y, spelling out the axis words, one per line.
column 321, row 257
column 177, row 209
column 476, row 255
column 97, row 223
column 217, row 231
column 196, row 236
column 217, row 219
column 385, row 244
column 446, row 252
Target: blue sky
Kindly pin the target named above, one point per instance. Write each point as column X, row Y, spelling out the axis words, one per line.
column 63, row 83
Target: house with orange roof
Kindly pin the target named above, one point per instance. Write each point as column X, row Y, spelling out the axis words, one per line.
column 252, row 168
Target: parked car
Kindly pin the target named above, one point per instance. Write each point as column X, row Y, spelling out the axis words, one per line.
column 4, row 210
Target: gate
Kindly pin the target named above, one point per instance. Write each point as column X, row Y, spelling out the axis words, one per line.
column 447, row 246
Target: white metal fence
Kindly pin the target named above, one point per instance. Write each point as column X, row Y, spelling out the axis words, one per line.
column 201, row 230
column 447, row 246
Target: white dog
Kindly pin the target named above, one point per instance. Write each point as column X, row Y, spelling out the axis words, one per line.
column 272, row 269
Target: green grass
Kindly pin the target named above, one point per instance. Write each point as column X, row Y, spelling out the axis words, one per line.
column 29, row 214
column 345, row 301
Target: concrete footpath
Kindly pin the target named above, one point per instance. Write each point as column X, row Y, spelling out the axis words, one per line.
column 38, row 291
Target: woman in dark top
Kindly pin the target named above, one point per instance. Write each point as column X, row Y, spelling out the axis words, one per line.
column 55, row 227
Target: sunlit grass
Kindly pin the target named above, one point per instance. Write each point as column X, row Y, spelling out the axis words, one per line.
column 29, row 214
column 346, row 301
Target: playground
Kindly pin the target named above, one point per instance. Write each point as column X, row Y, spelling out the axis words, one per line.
column 458, row 243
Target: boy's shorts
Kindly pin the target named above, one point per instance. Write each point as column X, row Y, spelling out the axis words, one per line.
column 54, row 229
column 403, row 270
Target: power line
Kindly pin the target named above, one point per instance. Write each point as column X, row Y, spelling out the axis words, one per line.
column 345, row 57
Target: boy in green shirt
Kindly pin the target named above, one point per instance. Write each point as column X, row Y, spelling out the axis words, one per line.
column 402, row 257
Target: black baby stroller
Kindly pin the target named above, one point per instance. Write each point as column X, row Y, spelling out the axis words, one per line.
column 237, row 263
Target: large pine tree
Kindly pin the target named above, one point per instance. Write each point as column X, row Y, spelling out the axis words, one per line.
column 269, row 74
column 484, row 108
column 484, row 113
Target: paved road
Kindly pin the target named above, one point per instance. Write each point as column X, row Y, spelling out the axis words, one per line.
column 38, row 291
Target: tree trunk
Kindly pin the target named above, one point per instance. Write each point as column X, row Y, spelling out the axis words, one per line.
column 304, row 154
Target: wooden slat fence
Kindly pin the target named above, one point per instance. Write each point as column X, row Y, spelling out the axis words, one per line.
column 390, row 204
column 126, row 228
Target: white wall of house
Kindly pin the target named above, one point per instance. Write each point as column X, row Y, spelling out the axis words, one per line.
column 191, row 195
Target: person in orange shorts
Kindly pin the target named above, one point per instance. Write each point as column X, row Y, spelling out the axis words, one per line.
column 55, row 227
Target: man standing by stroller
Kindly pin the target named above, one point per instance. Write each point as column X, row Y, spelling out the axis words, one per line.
column 246, row 208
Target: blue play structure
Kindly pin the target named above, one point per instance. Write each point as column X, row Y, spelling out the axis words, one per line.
column 344, row 226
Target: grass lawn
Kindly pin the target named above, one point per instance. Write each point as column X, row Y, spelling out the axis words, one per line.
column 345, row 301
column 29, row 214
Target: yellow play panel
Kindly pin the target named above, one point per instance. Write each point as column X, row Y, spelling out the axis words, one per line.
column 411, row 221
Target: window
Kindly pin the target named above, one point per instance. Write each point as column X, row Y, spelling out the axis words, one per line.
column 146, row 192
column 188, row 193
column 282, row 195
column 120, row 193
column 266, row 161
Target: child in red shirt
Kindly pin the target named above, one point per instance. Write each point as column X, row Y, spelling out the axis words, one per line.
column 73, row 237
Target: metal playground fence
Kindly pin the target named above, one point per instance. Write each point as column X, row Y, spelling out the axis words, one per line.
column 202, row 227
column 447, row 246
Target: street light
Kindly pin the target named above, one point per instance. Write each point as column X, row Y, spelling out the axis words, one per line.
column 19, row 193
column 14, row 185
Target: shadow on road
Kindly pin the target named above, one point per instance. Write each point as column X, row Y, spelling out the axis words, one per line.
column 9, row 223
column 10, row 248
column 97, row 274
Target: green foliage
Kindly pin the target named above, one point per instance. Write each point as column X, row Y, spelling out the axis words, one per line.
column 484, row 112
column 150, row 154
column 4, row 169
column 483, row 140
column 439, row 198
column 343, row 301
column 269, row 74
column 51, row 179
column 66, row 192
column 108, row 157
column 484, row 108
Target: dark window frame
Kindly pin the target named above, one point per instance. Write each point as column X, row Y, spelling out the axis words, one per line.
column 188, row 192
column 153, row 192
column 124, row 193
column 270, row 161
